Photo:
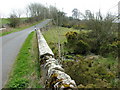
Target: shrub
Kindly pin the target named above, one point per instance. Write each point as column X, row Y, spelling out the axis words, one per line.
column 110, row 49
column 82, row 47
column 14, row 21
column 71, row 36
column 76, row 43
column 68, row 57
column 76, row 26
column 83, row 36
column 67, row 25
column 71, row 41
column 114, row 46
column 90, row 73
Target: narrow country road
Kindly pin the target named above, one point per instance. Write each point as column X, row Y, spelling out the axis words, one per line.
column 11, row 45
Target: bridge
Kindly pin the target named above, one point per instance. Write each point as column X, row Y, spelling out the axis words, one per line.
column 53, row 73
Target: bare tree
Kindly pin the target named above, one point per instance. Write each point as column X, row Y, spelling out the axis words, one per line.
column 53, row 12
column 76, row 13
column 36, row 9
column 27, row 12
column 19, row 12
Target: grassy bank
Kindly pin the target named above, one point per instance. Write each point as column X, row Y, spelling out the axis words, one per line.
column 54, row 34
column 57, row 33
column 26, row 72
column 18, row 29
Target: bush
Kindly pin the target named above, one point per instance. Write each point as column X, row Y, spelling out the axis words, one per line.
column 76, row 43
column 71, row 41
column 67, row 25
column 82, row 47
column 68, row 57
column 114, row 46
column 110, row 49
column 90, row 73
column 83, row 36
column 71, row 36
column 14, row 21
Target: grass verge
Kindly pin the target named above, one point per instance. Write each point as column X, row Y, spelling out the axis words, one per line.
column 18, row 29
column 26, row 72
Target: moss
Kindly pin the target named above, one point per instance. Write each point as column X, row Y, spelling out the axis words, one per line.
column 66, row 85
column 54, row 75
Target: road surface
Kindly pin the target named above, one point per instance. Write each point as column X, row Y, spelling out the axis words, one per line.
column 11, row 45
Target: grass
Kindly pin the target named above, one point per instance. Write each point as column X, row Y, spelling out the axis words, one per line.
column 53, row 34
column 5, row 20
column 26, row 71
column 18, row 29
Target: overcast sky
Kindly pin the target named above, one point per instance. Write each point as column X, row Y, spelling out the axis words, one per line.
column 6, row 6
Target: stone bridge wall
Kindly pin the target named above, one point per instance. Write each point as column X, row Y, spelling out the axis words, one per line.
column 55, row 77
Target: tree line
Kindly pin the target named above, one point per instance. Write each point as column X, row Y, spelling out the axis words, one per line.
column 36, row 12
column 104, row 29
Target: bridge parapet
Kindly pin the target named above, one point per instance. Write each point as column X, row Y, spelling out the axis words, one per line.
column 54, row 76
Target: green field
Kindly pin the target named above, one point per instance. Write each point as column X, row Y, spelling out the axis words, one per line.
column 26, row 71
column 6, row 20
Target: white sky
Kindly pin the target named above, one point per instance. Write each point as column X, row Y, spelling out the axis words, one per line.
column 6, row 6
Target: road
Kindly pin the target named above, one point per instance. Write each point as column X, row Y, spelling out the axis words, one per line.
column 11, row 45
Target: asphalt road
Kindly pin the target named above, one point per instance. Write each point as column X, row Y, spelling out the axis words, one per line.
column 11, row 45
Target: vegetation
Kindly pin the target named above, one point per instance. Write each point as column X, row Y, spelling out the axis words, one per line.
column 88, row 44
column 26, row 72
column 93, row 71
column 22, row 27
column 5, row 21
column 55, row 34
column 102, row 38
column 14, row 21
column 34, row 13
column 79, row 59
